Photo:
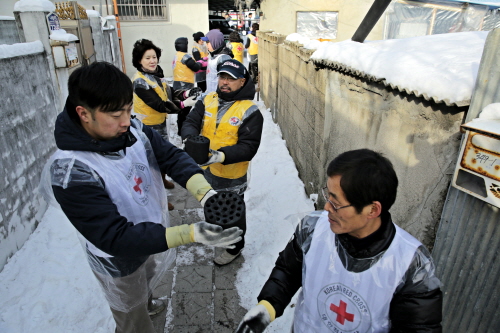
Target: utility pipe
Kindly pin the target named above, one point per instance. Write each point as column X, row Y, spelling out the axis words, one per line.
column 371, row 18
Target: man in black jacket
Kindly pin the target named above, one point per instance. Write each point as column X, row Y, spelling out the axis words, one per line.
column 359, row 272
column 233, row 123
column 106, row 177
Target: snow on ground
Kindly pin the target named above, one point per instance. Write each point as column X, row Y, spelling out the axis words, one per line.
column 47, row 286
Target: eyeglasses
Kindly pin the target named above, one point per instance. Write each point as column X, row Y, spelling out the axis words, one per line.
column 226, row 78
column 326, row 195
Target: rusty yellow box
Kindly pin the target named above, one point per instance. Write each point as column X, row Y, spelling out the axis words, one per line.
column 478, row 165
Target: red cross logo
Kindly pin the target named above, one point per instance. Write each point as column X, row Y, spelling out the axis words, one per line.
column 341, row 312
column 138, row 181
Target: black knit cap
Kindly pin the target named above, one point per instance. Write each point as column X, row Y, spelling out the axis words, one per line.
column 197, row 35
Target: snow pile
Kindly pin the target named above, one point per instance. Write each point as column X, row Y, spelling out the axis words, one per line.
column 275, row 192
column 306, row 42
column 20, row 49
column 490, row 112
column 93, row 13
column 47, row 286
column 61, row 36
column 34, row 6
column 443, row 66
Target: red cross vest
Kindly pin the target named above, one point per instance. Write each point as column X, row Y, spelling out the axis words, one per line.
column 182, row 72
column 133, row 182
column 253, row 49
column 336, row 300
column 237, row 49
column 225, row 134
column 145, row 113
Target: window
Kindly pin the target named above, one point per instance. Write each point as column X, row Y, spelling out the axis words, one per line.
column 133, row 10
column 317, row 24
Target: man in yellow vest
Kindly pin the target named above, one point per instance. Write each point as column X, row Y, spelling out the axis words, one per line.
column 252, row 46
column 233, row 123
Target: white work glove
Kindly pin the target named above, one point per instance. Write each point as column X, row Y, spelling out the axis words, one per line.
column 188, row 102
column 217, row 157
column 207, row 196
column 211, row 234
column 255, row 321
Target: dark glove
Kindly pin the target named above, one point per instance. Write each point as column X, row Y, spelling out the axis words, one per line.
column 256, row 320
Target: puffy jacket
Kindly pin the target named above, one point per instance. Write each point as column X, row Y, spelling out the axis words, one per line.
column 249, row 132
column 416, row 306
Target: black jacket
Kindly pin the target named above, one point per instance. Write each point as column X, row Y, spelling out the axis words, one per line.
column 249, row 132
column 88, row 206
column 151, row 98
column 416, row 306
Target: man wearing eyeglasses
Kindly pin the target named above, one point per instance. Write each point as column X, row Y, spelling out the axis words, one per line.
column 359, row 272
column 233, row 123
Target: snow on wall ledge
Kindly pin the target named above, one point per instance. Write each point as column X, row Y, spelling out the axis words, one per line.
column 28, row 112
column 34, row 6
column 439, row 67
column 20, row 49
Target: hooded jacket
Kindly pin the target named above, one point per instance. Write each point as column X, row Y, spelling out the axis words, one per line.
column 214, row 60
column 89, row 207
column 249, row 132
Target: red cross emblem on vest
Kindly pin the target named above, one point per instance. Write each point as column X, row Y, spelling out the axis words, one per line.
column 138, row 181
column 341, row 311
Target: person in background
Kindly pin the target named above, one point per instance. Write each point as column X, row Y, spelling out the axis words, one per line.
column 248, row 23
column 252, row 46
column 235, row 44
column 153, row 98
column 233, row 123
column 227, row 17
column 358, row 270
column 218, row 53
column 106, row 178
column 185, row 66
column 200, row 52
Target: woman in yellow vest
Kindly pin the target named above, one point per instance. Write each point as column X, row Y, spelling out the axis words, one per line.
column 200, row 52
column 253, row 52
column 236, row 45
column 153, row 99
column 233, row 123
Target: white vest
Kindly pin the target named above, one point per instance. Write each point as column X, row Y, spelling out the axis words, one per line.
column 336, row 300
column 133, row 183
column 212, row 79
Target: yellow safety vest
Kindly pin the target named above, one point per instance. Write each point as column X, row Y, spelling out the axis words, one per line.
column 203, row 53
column 237, row 49
column 151, row 116
column 182, row 72
column 226, row 134
column 253, row 49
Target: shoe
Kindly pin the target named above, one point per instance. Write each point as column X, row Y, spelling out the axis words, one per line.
column 155, row 306
column 168, row 184
column 170, row 206
column 225, row 258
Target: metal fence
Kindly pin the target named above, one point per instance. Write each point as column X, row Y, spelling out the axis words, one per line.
column 137, row 10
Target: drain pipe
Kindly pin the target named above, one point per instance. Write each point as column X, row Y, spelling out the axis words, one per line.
column 371, row 18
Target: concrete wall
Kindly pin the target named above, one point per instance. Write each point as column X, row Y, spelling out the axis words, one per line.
column 281, row 16
column 323, row 112
column 8, row 32
column 186, row 18
column 28, row 111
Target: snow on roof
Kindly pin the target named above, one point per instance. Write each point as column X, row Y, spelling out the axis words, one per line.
column 20, row 49
column 34, row 6
column 439, row 67
column 93, row 13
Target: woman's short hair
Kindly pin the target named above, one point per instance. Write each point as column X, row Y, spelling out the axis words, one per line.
column 255, row 27
column 140, row 47
column 234, row 37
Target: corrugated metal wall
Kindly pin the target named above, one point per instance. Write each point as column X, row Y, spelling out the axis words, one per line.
column 466, row 254
column 467, row 243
